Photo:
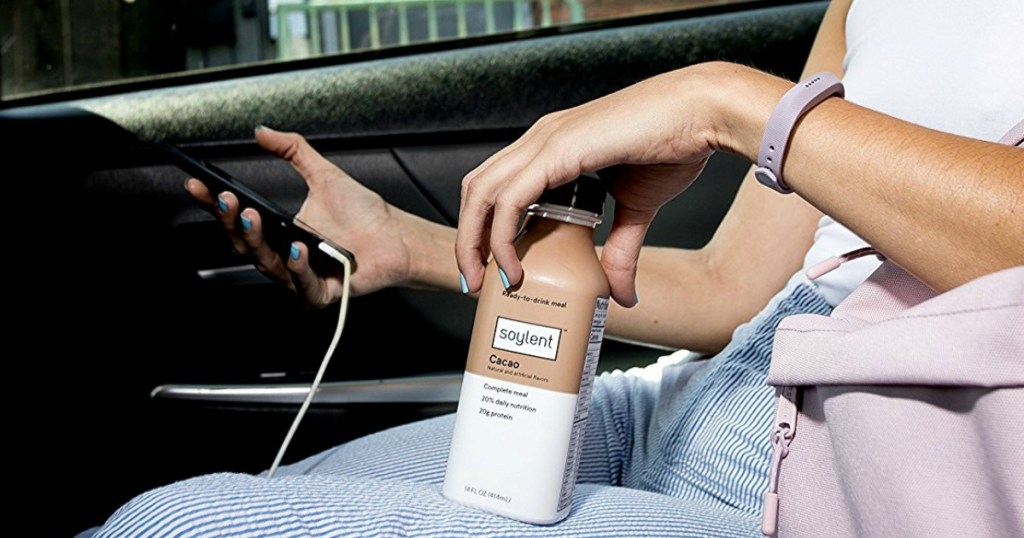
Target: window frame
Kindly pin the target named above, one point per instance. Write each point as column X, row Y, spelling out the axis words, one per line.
column 241, row 71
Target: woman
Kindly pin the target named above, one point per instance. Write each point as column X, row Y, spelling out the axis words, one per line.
column 685, row 453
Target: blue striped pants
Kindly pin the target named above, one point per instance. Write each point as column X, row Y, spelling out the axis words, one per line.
column 672, row 450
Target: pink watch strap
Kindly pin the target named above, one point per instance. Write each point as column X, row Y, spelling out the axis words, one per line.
column 794, row 104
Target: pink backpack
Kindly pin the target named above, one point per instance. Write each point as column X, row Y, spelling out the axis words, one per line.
column 902, row 413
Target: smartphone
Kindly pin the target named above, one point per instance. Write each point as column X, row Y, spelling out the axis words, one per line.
column 280, row 228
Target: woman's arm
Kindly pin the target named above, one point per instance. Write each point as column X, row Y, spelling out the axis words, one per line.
column 946, row 208
column 693, row 298
column 698, row 297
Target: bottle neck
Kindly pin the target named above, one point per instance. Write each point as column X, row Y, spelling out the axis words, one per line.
column 562, row 213
column 550, row 225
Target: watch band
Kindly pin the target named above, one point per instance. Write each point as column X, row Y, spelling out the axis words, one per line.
column 794, row 104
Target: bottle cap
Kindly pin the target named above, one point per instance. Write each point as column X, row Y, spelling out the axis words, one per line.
column 586, row 193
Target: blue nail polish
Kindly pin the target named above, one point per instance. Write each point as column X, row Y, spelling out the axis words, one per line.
column 295, row 252
column 246, row 224
column 462, row 280
column 222, row 205
column 504, row 278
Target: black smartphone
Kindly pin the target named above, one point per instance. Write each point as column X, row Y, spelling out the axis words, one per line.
column 280, row 228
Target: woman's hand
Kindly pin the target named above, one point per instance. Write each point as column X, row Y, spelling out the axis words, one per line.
column 657, row 135
column 337, row 207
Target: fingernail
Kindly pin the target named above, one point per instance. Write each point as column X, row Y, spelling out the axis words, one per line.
column 246, row 224
column 636, row 298
column 186, row 186
column 462, row 281
column 262, row 127
column 222, row 205
column 295, row 252
column 504, row 278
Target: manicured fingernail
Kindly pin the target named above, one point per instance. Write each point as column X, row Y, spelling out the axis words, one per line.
column 222, row 205
column 504, row 278
column 246, row 224
column 462, row 281
column 262, row 127
column 295, row 252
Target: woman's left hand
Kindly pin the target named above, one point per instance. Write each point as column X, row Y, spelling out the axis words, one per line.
column 656, row 135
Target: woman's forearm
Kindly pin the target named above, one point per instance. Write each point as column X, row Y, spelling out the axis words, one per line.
column 429, row 246
column 946, row 208
column 686, row 302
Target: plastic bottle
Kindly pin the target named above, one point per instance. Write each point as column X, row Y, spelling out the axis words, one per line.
column 532, row 359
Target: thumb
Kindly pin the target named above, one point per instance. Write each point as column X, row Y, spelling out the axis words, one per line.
column 294, row 148
column 622, row 252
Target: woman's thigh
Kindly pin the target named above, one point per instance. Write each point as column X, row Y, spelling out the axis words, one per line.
column 389, row 482
column 335, row 505
column 416, row 452
column 709, row 437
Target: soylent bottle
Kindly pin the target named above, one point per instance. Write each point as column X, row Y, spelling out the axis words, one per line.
column 531, row 365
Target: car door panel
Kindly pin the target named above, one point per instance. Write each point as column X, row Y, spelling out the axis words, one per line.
column 439, row 170
column 464, row 90
column 407, row 126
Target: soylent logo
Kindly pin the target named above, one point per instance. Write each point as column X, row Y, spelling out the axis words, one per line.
column 526, row 338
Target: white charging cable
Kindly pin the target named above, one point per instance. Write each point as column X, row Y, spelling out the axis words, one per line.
column 346, row 288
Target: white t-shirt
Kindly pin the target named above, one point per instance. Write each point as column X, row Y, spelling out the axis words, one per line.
column 949, row 65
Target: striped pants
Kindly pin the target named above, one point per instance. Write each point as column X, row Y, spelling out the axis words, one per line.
column 677, row 449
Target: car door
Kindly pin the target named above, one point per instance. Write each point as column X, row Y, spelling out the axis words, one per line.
column 169, row 356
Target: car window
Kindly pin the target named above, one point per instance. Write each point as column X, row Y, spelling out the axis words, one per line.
column 55, row 45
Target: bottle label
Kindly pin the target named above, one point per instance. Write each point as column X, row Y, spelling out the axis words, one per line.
column 526, row 338
column 572, row 463
column 534, row 339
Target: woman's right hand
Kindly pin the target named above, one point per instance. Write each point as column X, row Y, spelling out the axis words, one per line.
column 337, row 207
column 654, row 137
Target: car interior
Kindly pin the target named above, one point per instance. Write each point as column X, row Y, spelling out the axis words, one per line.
column 170, row 356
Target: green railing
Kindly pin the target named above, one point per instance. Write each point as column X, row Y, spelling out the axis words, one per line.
column 320, row 13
